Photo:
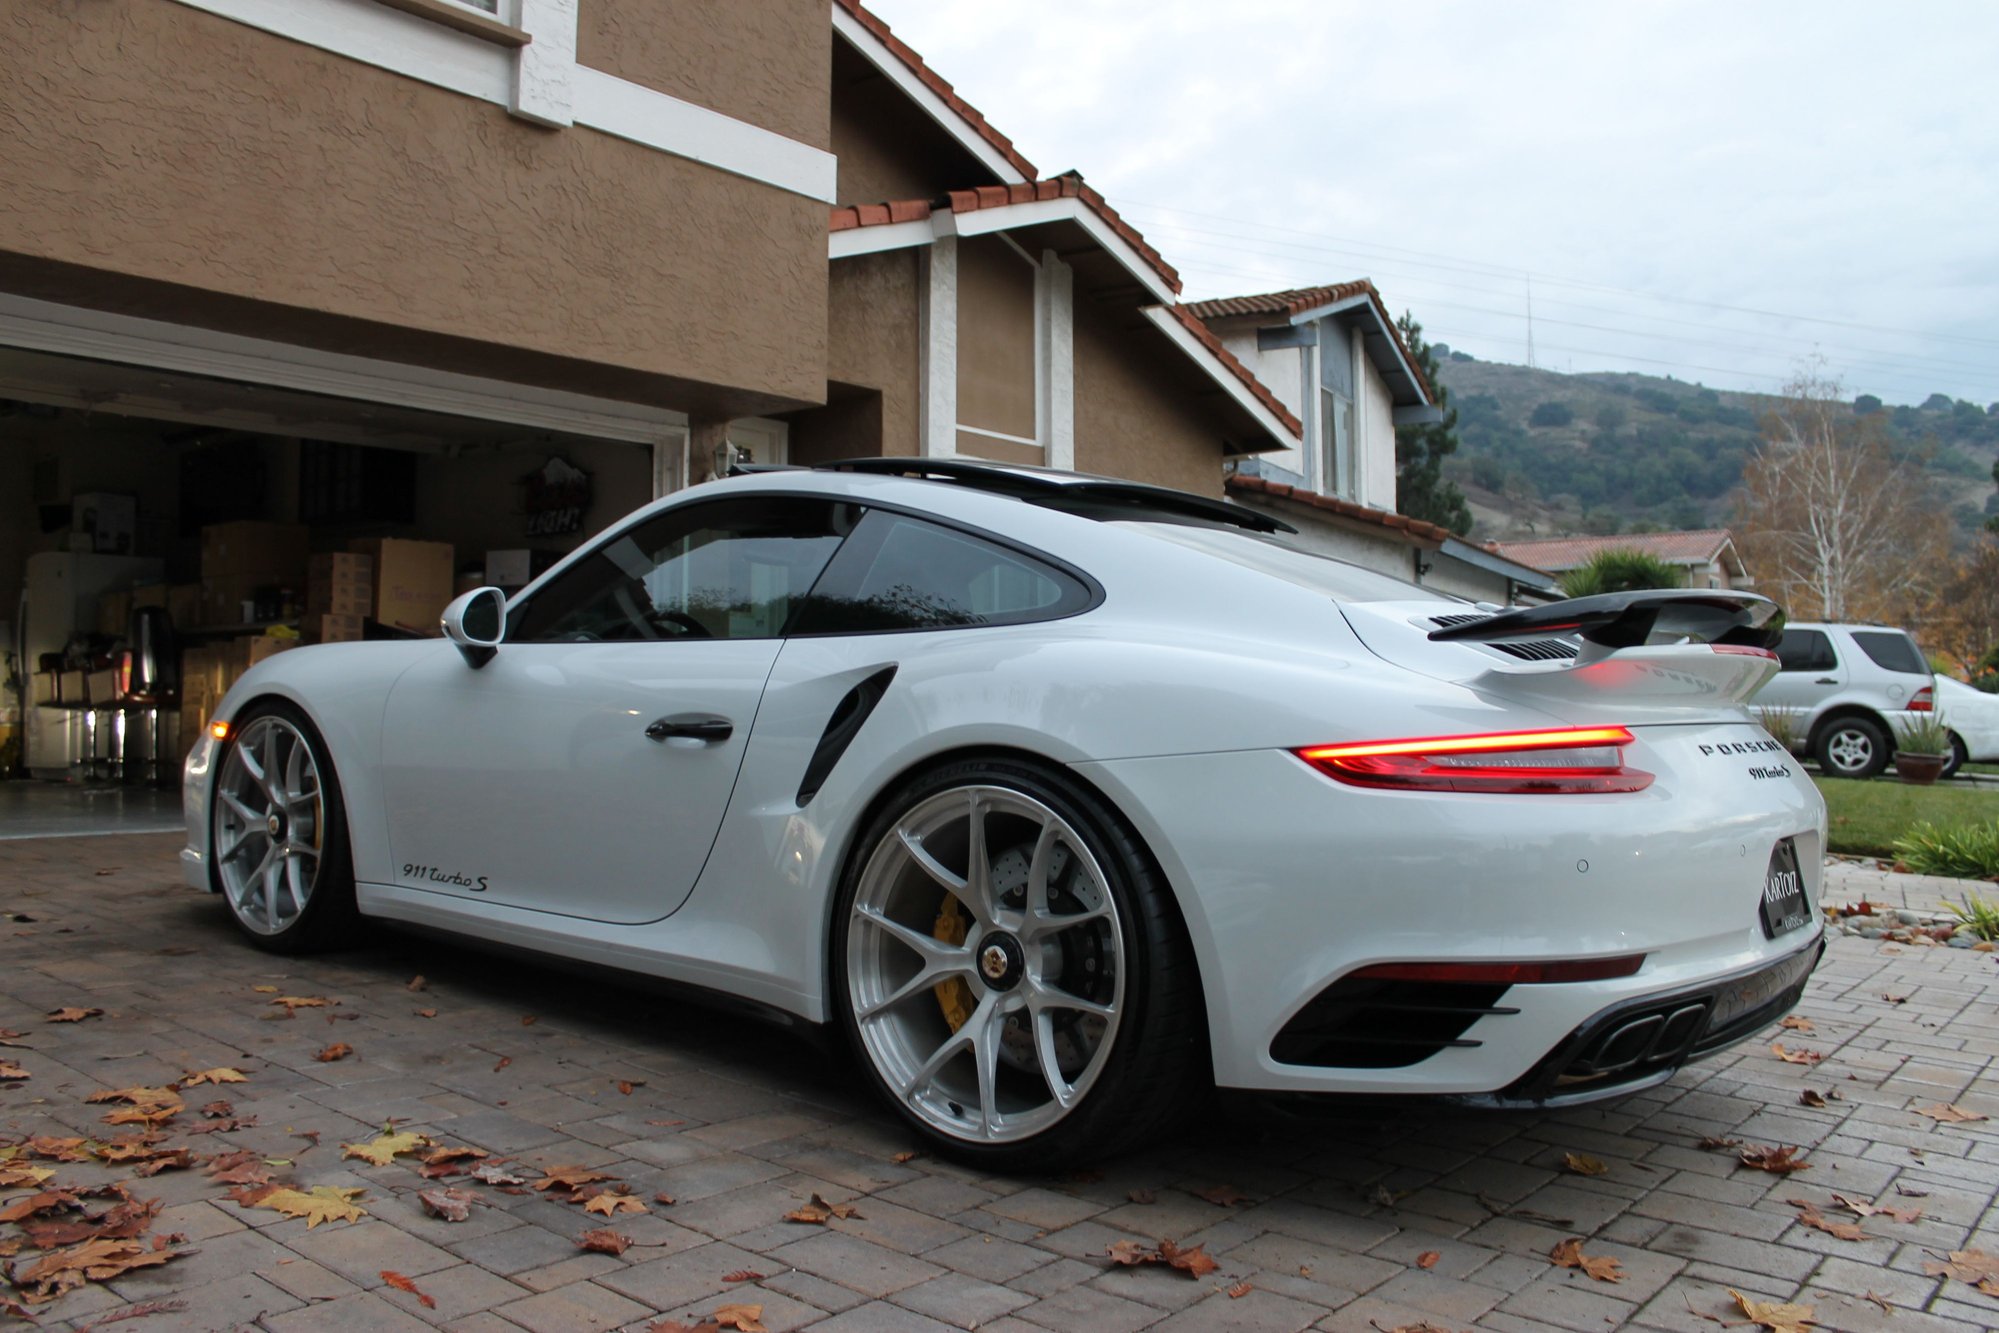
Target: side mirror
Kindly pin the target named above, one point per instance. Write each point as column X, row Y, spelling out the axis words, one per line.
column 476, row 622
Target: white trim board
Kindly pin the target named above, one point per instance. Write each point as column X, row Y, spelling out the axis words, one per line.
column 876, row 52
column 418, row 48
column 44, row 326
column 1163, row 320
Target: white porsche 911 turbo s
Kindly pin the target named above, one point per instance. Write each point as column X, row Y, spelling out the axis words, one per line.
column 1063, row 798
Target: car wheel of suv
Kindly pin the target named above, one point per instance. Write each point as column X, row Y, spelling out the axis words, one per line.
column 1851, row 747
column 1959, row 756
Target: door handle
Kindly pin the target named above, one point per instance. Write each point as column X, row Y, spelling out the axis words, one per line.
column 1826, row 680
column 703, row 727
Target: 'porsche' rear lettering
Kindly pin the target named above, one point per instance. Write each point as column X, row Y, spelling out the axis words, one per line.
column 1742, row 747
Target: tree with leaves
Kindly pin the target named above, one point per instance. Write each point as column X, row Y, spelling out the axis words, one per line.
column 1834, row 523
column 1421, row 490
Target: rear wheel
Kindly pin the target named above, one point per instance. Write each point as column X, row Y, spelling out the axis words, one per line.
column 278, row 834
column 1012, row 971
column 1852, row 747
column 1959, row 756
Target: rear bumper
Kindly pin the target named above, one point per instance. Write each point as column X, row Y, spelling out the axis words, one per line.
column 1641, row 1042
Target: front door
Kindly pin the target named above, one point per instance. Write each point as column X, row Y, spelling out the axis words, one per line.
column 585, row 770
column 1809, row 674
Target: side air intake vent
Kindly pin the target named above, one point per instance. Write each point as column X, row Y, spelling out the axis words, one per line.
column 841, row 728
column 1530, row 650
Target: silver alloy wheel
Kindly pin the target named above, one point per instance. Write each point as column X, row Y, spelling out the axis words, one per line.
column 268, row 824
column 1850, row 749
column 1040, row 960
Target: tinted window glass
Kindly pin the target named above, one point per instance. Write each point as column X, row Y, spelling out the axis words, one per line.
column 1891, row 650
column 902, row 574
column 730, row 570
column 1805, row 650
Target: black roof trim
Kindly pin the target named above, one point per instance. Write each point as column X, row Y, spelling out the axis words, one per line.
column 1040, row 485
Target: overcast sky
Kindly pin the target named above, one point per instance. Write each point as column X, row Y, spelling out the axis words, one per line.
column 1829, row 172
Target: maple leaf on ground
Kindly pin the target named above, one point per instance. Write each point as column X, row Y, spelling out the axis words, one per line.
column 604, row 1241
column 55, row 1148
column 906, row 1155
column 45, row 1202
column 143, row 1115
column 1860, row 1208
column 1569, row 1254
column 1240, row 1290
column 426, row 1013
column 401, row 1283
column 442, row 1156
column 502, row 1063
column 1974, row 1267
column 218, row 1110
column 742, row 1318
column 167, row 1159
column 93, row 1261
column 12, row 1073
column 453, row 1205
column 1428, row 1259
column 610, row 1205
column 625, row 1085
column 13, row 1175
column 1193, row 1260
column 1801, row 1056
column 138, row 1096
column 818, row 1211
column 568, row 1178
column 1777, row 1161
column 1809, row 1215
column 1774, row 1315
column 415, row 983
column 1222, row 1196
column 1949, row 1113
column 1872, row 1295
column 1797, row 1023
column 243, row 1173
column 339, row 1050
column 9, row 1037
column 323, row 1203
column 71, row 1015
column 303, row 1001
column 383, row 1150
column 1719, row 1144
column 124, row 1221
column 743, row 1275
column 1583, row 1164
column 490, row 1173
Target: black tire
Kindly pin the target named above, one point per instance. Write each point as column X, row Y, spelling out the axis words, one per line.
column 1158, row 1069
column 1959, row 756
column 329, row 918
column 1851, row 747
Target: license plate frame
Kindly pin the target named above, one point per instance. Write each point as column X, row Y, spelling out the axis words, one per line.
column 1783, row 908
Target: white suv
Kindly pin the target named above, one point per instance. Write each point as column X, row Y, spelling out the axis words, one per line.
column 1843, row 686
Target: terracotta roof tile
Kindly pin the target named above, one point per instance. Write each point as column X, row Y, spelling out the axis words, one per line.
column 1262, row 392
column 1386, row 518
column 1297, row 300
column 936, row 84
column 1557, row 554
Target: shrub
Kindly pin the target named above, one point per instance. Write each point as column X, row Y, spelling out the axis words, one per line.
column 1961, row 851
column 1922, row 733
column 1980, row 916
column 1620, row 570
column 1783, row 728
column 1552, row 413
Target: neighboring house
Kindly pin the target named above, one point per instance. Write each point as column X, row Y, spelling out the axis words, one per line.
column 1707, row 556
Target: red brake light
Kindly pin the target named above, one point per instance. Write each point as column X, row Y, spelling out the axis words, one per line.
column 1559, row 761
column 1923, row 700
column 1743, row 650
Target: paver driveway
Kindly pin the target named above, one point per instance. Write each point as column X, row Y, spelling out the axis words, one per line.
column 1361, row 1223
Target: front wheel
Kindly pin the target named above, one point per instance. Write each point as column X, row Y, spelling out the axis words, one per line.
column 1012, row 971
column 278, row 834
column 1852, row 747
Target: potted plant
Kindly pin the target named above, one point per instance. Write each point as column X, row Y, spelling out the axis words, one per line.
column 1922, row 748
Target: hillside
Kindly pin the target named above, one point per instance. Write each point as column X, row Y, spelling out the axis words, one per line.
column 1543, row 453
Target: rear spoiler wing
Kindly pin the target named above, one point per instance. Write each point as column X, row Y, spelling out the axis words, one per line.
column 1615, row 620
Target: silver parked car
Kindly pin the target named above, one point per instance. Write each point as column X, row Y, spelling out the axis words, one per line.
column 1973, row 719
column 1844, row 687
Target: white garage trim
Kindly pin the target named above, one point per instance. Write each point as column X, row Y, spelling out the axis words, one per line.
column 44, row 326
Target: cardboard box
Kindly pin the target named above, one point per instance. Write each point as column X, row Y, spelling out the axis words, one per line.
column 48, row 689
column 223, row 600
column 328, row 599
column 260, row 552
column 412, row 581
column 262, row 646
column 341, row 567
column 334, row 629
column 148, row 594
column 110, row 521
column 516, row 568
column 184, row 604
column 70, row 686
column 101, row 687
column 114, row 613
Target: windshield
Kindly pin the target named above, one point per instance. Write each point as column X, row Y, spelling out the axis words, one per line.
column 1267, row 555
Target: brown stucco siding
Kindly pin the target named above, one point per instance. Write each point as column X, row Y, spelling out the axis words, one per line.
column 889, row 148
column 873, row 323
column 1135, row 415
column 766, row 62
column 286, row 181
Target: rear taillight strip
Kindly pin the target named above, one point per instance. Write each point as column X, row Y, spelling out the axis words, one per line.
column 1559, row 761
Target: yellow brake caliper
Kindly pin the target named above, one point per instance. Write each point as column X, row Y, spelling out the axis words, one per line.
column 954, row 997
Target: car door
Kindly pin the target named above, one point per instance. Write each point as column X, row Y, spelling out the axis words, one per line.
column 1808, row 674
column 585, row 768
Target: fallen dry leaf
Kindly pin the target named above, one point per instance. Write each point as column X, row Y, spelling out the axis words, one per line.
column 527, row 1020
column 92, row 1261
column 13, row 1175
column 625, row 1085
column 11, row 1073
column 415, row 983
column 1896, row 999
column 168, row 1159
column 1583, row 1164
column 125, row 1221
column 323, row 1203
column 604, row 1241
column 1569, row 1254
column 664, row 1198
column 503, row 1062
column 610, row 1205
column 458, row 1153
column 1719, row 1144
column 1142, row 1196
column 265, row 990
column 1861, row 1209
column 224, row 1075
column 302, row 1001
column 71, row 1015
column 743, row 1275
column 55, row 1148
column 44, row 1202
column 1222, row 1196
column 453, row 1205
column 568, row 1178
column 383, row 1150
column 401, row 1283
column 218, row 1110
column 1777, row 1161
column 1949, row 1113
column 1797, row 1023
column 1810, row 1097
column 1428, row 1259
column 818, row 1211
column 1194, row 1260
column 1801, row 1056
column 9, row 1037
column 1871, row 1295
column 489, row 1173
column 742, row 1318
column 1969, row 1266
column 426, row 1013
column 1240, row 1290
column 1809, row 1215
column 907, row 1155
column 1777, row 1317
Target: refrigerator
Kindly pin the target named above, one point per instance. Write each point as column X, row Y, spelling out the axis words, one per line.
column 60, row 598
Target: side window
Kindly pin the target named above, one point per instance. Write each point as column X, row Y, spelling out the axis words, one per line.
column 1891, row 650
column 734, row 569
column 1806, row 650
column 902, row 573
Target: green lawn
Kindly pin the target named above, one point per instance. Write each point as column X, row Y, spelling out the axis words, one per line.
column 1866, row 817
